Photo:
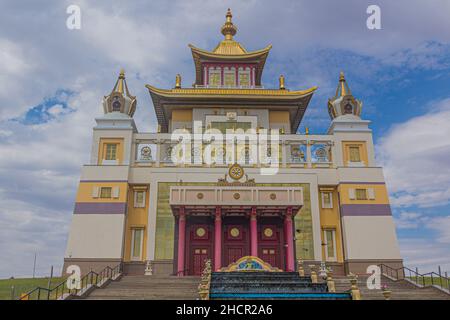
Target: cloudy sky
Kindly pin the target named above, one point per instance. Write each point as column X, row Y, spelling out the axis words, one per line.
column 52, row 80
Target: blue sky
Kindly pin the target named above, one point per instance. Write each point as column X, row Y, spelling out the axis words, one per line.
column 53, row 80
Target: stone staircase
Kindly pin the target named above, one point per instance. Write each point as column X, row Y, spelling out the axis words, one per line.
column 269, row 285
column 254, row 285
column 401, row 289
column 135, row 287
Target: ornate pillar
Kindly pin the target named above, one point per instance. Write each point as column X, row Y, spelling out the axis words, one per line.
column 289, row 239
column 181, row 241
column 218, row 239
column 253, row 233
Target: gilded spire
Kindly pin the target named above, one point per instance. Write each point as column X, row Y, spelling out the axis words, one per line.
column 343, row 89
column 228, row 29
column 121, row 84
column 120, row 81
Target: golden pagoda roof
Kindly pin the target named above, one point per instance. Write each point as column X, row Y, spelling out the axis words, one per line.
column 229, row 47
column 164, row 100
column 229, row 50
column 229, row 93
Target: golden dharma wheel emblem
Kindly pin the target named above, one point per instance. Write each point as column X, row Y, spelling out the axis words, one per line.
column 200, row 232
column 236, row 196
column 268, row 232
column 273, row 196
column 236, row 172
column 200, row 195
column 234, row 232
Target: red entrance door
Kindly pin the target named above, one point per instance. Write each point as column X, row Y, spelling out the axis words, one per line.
column 199, row 257
column 270, row 241
column 199, row 244
column 235, row 240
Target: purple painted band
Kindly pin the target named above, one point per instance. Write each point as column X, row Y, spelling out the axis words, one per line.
column 366, row 210
column 100, row 208
column 84, row 181
column 357, row 182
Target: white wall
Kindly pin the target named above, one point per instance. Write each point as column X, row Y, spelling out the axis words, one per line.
column 370, row 237
column 96, row 236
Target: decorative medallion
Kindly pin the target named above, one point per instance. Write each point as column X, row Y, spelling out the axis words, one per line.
column 146, row 153
column 236, row 172
column 200, row 232
column 273, row 196
column 234, row 232
column 199, row 195
column 236, row 196
column 322, row 154
column 268, row 232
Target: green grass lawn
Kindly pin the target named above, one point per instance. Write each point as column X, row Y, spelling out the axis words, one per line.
column 23, row 286
column 428, row 281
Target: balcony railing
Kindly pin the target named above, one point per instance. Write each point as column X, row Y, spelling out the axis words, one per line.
column 302, row 151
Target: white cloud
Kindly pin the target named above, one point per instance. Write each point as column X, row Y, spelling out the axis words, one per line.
column 40, row 166
column 410, row 220
column 425, row 254
column 415, row 156
column 442, row 226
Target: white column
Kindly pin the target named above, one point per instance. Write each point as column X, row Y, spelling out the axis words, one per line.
column 308, row 154
column 158, row 153
column 283, row 153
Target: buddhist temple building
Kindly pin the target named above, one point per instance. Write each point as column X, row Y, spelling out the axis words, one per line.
column 228, row 174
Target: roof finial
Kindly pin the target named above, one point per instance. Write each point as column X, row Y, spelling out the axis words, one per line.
column 228, row 29
column 281, row 81
column 343, row 88
column 177, row 81
column 120, row 84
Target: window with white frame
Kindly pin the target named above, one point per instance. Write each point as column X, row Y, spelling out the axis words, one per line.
column 139, row 198
column 214, row 77
column 329, row 236
column 137, row 237
column 244, row 77
column 327, row 199
column 229, row 78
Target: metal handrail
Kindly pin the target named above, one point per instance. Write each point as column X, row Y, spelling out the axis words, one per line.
column 405, row 273
column 91, row 278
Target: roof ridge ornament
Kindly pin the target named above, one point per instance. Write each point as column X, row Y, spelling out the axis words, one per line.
column 228, row 29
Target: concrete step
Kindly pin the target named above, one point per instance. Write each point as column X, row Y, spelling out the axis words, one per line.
column 137, row 287
column 133, row 287
column 401, row 290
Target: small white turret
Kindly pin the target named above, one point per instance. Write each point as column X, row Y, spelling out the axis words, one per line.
column 344, row 104
column 120, row 100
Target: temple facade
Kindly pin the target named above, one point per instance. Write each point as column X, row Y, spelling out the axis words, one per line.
column 228, row 175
